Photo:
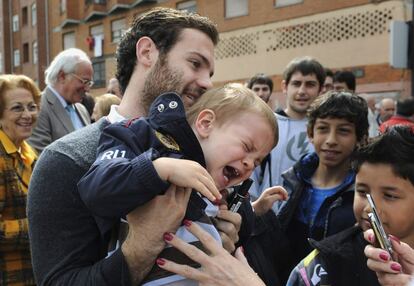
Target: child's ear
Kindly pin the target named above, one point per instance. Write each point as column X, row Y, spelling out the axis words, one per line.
column 146, row 51
column 204, row 123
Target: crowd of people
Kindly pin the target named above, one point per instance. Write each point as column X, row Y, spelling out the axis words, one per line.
column 141, row 195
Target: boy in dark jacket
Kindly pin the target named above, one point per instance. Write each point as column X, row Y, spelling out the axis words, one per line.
column 228, row 132
column 319, row 186
column 385, row 171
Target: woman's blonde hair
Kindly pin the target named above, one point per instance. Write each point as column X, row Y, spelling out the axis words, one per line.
column 105, row 102
column 232, row 100
column 12, row 81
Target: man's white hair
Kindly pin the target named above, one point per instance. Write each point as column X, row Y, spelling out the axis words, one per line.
column 65, row 61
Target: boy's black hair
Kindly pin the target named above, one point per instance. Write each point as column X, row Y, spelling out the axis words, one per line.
column 347, row 77
column 394, row 147
column 342, row 105
column 261, row 78
column 405, row 107
column 329, row 72
column 306, row 66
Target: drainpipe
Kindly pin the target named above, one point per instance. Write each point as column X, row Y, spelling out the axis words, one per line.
column 47, row 32
column 11, row 37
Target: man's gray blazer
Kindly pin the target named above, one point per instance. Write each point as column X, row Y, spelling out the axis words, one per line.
column 54, row 121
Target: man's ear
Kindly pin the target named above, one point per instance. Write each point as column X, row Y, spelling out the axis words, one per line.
column 204, row 123
column 146, row 51
column 61, row 76
column 284, row 86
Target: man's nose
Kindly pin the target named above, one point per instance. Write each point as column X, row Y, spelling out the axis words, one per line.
column 302, row 89
column 205, row 81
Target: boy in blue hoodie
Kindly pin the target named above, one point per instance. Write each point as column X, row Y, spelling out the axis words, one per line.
column 320, row 187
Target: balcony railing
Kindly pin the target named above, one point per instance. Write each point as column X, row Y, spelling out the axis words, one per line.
column 89, row 2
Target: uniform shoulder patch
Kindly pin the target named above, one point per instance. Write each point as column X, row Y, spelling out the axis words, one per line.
column 167, row 141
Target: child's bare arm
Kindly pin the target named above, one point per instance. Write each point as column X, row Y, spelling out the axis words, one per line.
column 268, row 198
column 187, row 174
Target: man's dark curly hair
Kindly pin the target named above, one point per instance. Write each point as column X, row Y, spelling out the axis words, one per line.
column 342, row 105
column 163, row 26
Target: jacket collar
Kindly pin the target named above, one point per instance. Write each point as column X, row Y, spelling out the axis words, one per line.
column 174, row 122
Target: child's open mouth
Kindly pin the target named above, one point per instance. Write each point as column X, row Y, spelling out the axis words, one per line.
column 230, row 173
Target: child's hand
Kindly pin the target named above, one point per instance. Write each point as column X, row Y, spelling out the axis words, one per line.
column 187, row 174
column 268, row 198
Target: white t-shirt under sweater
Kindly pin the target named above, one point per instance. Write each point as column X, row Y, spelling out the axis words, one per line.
column 293, row 143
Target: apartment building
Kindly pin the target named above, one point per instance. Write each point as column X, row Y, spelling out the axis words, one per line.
column 22, row 36
column 256, row 36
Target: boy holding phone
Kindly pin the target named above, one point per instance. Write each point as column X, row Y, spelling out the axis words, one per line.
column 385, row 171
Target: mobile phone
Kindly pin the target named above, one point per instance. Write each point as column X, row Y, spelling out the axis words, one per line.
column 239, row 195
column 380, row 235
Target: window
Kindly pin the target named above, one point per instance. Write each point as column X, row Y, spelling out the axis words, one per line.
column 34, row 14
column 15, row 23
column 99, row 73
column 62, row 6
column 69, row 40
column 235, row 8
column 190, row 6
column 16, row 58
column 282, row 3
column 25, row 52
column 34, row 52
column 118, row 29
column 97, row 30
column 25, row 16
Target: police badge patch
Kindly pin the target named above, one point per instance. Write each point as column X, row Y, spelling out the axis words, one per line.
column 167, row 141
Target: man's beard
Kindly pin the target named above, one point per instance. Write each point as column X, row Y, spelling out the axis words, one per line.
column 160, row 80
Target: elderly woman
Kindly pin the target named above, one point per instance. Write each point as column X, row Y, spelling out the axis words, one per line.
column 19, row 98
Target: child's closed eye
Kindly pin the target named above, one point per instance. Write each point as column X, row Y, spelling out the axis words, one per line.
column 247, row 148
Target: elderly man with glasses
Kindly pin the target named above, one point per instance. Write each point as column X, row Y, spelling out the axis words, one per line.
column 68, row 78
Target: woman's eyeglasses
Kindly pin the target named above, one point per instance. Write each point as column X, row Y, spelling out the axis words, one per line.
column 20, row 108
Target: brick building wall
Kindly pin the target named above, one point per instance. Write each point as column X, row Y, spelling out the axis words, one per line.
column 350, row 35
column 30, row 32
